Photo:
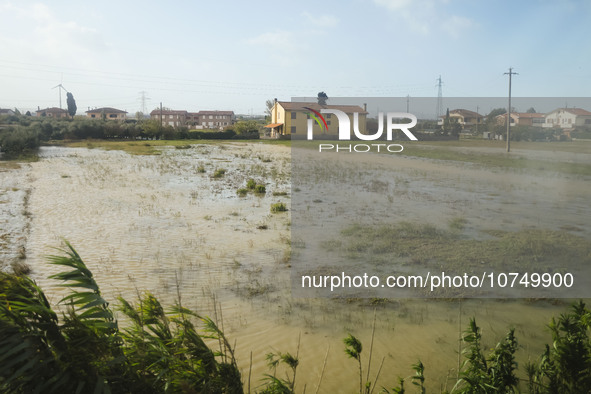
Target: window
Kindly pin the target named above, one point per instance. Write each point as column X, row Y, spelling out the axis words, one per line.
column 93, row 116
column 293, row 115
column 210, row 117
column 293, row 129
column 587, row 121
column 112, row 116
column 328, row 122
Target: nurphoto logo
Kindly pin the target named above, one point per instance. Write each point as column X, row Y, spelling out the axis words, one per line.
column 392, row 124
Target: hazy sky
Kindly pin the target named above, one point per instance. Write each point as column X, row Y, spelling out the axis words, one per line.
column 234, row 55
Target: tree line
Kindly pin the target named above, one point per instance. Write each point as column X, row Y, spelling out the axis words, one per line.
column 24, row 134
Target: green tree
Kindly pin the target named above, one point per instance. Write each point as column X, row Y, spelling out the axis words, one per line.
column 322, row 98
column 268, row 107
column 531, row 110
column 494, row 113
column 246, row 126
column 71, row 104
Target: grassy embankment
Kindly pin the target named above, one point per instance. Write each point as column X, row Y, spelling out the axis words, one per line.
column 151, row 147
column 496, row 156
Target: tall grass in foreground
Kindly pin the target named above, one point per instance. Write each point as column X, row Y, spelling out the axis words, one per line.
column 165, row 350
column 86, row 352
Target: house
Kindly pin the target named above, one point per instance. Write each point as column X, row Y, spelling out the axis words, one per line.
column 291, row 119
column 567, row 118
column 216, row 119
column 6, row 112
column 522, row 119
column 53, row 112
column 107, row 113
column 194, row 120
column 463, row 116
column 169, row 117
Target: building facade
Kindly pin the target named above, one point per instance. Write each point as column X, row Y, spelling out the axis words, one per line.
column 53, row 112
column 464, row 117
column 106, row 113
column 291, row 119
column 568, row 118
column 522, row 119
column 217, row 120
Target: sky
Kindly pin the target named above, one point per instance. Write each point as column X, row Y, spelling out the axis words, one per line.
column 235, row 55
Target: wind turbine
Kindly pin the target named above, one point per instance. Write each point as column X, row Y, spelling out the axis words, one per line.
column 61, row 87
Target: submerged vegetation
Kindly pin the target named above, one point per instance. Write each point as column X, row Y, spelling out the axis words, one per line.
column 416, row 243
column 164, row 350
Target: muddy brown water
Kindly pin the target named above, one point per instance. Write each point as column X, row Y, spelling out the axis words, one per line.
column 152, row 223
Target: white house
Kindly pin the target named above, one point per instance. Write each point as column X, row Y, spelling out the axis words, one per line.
column 567, row 118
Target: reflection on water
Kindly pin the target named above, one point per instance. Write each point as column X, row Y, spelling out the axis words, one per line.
column 152, row 223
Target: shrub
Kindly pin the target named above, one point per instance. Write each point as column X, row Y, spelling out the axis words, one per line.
column 251, row 184
column 260, row 189
column 242, row 192
column 219, row 173
column 19, row 140
column 278, row 207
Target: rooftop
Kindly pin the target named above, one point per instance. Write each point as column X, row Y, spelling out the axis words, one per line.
column 301, row 106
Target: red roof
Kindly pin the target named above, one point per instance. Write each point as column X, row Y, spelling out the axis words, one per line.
column 577, row 111
column 53, row 110
column 107, row 110
column 523, row 115
column 168, row 112
column 231, row 113
column 301, row 106
column 465, row 113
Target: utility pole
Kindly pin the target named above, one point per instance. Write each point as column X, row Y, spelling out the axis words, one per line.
column 477, row 118
column 510, row 73
column 407, row 102
column 439, row 109
column 161, row 116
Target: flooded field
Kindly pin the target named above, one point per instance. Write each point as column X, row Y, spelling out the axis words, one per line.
column 167, row 223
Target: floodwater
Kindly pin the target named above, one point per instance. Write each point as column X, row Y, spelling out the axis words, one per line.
column 160, row 224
